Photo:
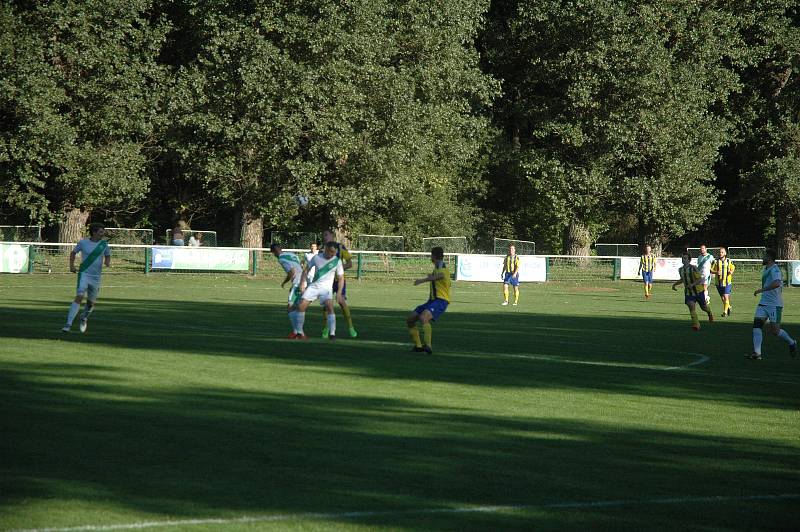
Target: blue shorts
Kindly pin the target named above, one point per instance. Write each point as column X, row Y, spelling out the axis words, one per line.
column 647, row 277
column 336, row 286
column 509, row 278
column 700, row 299
column 436, row 307
column 724, row 290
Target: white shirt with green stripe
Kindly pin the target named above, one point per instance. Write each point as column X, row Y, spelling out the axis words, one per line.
column 91, row 266
column 290, row 263
column 326, row 270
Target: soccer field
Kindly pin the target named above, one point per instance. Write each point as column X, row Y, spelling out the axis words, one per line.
column 183, row 407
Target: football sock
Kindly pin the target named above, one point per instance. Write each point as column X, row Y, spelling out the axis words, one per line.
column 300, row 319
column 785, row 337
column 505, row 292
column 758, row 334
column 347, row 316
column 516, row 294
column 427, row 333
column 293, row 320
column 332, row 324
column 646, row 291
column 73, row 311
column 413, row 332
column 87, row 310
column 695, row 319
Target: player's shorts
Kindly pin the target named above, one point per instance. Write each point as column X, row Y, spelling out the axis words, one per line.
column 344, row 288
column 435, row 306
column 509, row 278
column 312, row 293
column 706, row 279
column 295, row 295
column 647, row 277
column 88, row 286
column 769, row 312
column 700, row 299
column 724, row 290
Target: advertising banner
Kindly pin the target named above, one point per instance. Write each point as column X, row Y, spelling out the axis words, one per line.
column 185, row 258
column 14, row 258
column 666, row 269
column 794, row 272
column 487, row 268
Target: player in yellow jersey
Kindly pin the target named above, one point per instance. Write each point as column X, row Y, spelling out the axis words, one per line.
column 723, row 269
column 647, row 265
column 693, row 281
column 510, row 274
column 437, row 302
column 347, row 261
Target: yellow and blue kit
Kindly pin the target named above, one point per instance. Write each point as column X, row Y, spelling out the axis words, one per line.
column 439, row 297
column 723, row 275
column 690, row 275
column 647, row 264
column 511, row 270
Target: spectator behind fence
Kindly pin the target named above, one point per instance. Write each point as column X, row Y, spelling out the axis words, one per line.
column 196, row 240
column 177, row 236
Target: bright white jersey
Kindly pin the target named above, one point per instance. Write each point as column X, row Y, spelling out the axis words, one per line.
column 704, row 263
column 310, row 255
column 326, row 270
column 85, row 248
column 290, row 263
column 772, row 298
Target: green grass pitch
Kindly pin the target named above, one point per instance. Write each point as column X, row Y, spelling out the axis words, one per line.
column 184, row 408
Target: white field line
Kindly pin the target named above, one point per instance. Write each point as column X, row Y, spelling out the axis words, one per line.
column 576, row 505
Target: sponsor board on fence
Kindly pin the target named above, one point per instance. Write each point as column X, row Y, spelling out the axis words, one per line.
column 666, row 269
column 179, row 258
column 487, row 268
column 14, row 258
column 794, row 272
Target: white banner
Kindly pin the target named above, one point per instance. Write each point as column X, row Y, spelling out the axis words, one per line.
column 794, row 272
column 190, row 258
column 14, row 258
column 487, row 268
column 666, row 269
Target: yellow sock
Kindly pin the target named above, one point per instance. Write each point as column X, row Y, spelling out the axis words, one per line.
column 695, row 319
column 505, row 293
column 413, row 332
column 347, row 316
column 427, row 332
column 516, row 295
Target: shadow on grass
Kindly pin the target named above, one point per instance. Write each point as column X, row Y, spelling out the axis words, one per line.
column 74, row 433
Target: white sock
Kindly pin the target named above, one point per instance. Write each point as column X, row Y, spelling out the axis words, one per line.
column 332, row 324
column 293, row 320
column 300, row 319
column 786, row 338
column 74, row 308
column 758, row 334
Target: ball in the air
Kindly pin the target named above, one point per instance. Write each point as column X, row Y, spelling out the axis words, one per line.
column 301, row 201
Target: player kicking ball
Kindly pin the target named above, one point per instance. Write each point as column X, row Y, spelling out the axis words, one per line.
column 770, row 307
column 327, row 268
column 94, row 252
column 694, row 294
column 437, row 302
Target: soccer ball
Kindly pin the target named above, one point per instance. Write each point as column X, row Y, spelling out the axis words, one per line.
column 301, row 201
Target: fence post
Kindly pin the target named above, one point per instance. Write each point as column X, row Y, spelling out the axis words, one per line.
column 253, row 262
column 148, row 255
column 547, row 268
column 617, row 269
column 358, row 266
column 31, row 255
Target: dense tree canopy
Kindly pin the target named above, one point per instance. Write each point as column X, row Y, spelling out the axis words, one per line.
column 559, row 122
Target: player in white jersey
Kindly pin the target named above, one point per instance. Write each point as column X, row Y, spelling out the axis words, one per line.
column 770, row 307
column 294, row 271
column 328, row 268
column 704, row 262
column 94, row 252
column 310, row 255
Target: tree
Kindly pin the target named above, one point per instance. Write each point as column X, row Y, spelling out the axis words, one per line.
column 79, row 100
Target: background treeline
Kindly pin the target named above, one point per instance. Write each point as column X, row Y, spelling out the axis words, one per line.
column 558, row 121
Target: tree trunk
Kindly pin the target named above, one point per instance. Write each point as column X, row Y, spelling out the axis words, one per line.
column 786, row 238
column 72, row 225
column 252, row 230
column 577, row 239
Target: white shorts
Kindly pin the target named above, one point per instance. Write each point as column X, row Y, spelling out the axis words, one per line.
column 89, row 286
column 769, row 312
column 293, row 293
column 323, row 293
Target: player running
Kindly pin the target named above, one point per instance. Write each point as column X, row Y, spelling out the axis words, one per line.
column 328, row 268
column 723, row 269
column 770, row 307
column 94, row 253
column 437, row 302
column 704, row 261
column 294, row 270
column 694, row 294
column 647, row 265
column 347, row 262
column 510, row 274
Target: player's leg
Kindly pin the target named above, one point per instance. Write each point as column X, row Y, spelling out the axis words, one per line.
column 759, row 320
column 346, row 312
column 693, row 313
column 505, row 292
column 646, row 286
column 75, row 306
column 309, row 296
column 705, row 306
column 413, row 331
column 515, row 284
column 92, row 293
column 291, row 310
column 781, row 333
column 327, row 302
column 427, row 331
